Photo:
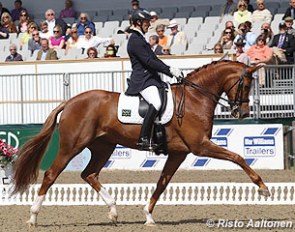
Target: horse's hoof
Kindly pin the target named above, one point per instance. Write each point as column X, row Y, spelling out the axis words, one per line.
column 112, row 215
column 150, row 223
column 264, row 192
column 30, row 224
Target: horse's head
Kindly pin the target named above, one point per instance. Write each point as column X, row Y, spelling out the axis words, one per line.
column 238, row 89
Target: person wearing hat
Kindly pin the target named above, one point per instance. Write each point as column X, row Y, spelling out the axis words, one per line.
column 289, row 25
column 176, row 37
column 283, row 45
column 145, row 80
column 155, row 21
column 290, row 10
column 240, row 54
column 262, row 14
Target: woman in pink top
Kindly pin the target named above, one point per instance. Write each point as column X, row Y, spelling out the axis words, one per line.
column 260, row 52
column 57, row 40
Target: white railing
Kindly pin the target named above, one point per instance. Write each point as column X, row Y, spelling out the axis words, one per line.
column 175, row 194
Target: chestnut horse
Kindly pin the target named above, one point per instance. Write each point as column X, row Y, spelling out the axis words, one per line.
column 90, row 120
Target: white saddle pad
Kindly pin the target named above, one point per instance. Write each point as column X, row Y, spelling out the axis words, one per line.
column 128, row 109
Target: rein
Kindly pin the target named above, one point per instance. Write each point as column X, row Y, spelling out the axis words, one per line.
column 234, row 105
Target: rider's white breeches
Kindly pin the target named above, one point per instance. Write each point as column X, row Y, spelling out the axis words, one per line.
column 152, row 96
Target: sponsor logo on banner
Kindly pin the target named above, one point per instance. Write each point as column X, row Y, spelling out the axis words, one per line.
column 10, row 138
column 259, row 146
column 122, row 153
column 152, row 155
column 220, row 141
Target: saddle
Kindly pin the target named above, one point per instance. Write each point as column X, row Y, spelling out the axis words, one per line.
column 132, row 110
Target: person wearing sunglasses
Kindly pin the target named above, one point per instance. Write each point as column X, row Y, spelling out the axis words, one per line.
column 52, row 21
column 14, row 56
column 89, row 40
column 7, row 23
column 18, row 8
column 83, row 23
column 267, row 32
column 262, row 14
column 44, row 32
column 227, row 39
column 24, row 21
column 73, row 39
column 34, row 42
column 242, row 14
column 28, row 34
column 92, row 53
column 57, row 41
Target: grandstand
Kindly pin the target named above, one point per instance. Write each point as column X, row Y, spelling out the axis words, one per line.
column 200, row 21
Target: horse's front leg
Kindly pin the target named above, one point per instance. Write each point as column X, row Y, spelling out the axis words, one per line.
column 172, row 164
column 210, row 149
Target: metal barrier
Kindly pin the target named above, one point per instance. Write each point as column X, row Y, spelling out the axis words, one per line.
column 140, row 193
column 29, row 98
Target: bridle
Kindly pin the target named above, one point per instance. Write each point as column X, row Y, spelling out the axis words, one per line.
column 234, row 105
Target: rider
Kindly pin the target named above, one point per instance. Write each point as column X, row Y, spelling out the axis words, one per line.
column 145, row 79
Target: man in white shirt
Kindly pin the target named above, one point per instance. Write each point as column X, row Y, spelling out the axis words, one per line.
column 176, row 37
column 88, row 40
column 51, row 21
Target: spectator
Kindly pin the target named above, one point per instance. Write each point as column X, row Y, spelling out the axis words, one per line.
column 46, row 53
column 154, row 43
column 267, row 32
column 27, row 35
column 155, row 21
column 283, row 45
column 242, row 14
column 68, row 11
column 14, row 56
column 24, row 21
column 7, row 23
column 15, row 13
column 34, row 42
column 83, row 23
column 228, row 8
column 135, row 5
column 227, row 39
column 111, row 51
column 218, row 48
column 92, row 53
column 57, row 41
column 259, row 52
column 176, row 37
column 290, row 10
column 230, row 24
column 3, row 10
column 250, row 8
column 289, row 25
column 244, row 33
column 240, row 54
column 166, row 50
column 88, row 40
column 262, row 14
column 51, row 21
column 45, row 33
column 73, row 40
column 3, row 33
column 163, row 39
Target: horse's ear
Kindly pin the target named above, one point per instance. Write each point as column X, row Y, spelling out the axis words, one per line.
column 253, row 68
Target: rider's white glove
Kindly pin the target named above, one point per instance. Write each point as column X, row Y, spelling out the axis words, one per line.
column 176, row 72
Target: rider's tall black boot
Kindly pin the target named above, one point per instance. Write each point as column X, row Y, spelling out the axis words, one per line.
column 144, row 141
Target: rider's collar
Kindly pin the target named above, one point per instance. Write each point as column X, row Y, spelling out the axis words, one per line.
column 136, row 29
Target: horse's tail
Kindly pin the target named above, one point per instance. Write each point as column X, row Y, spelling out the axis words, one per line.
column 26, row 168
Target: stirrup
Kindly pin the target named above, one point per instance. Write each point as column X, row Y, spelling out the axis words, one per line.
column 146, row 144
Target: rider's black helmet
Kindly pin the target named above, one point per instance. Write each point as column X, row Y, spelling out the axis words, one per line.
column 140, row 15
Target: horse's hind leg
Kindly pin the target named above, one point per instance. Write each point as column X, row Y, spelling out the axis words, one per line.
column 172, row 164
column 212, row 150
column 100, row 153
column 49, row 178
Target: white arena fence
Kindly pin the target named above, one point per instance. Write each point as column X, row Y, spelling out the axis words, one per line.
column 175, row 194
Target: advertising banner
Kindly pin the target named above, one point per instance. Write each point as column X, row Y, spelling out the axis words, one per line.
column 260, row 145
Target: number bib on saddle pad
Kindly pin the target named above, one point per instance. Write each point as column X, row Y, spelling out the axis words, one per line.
column 128, row 109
